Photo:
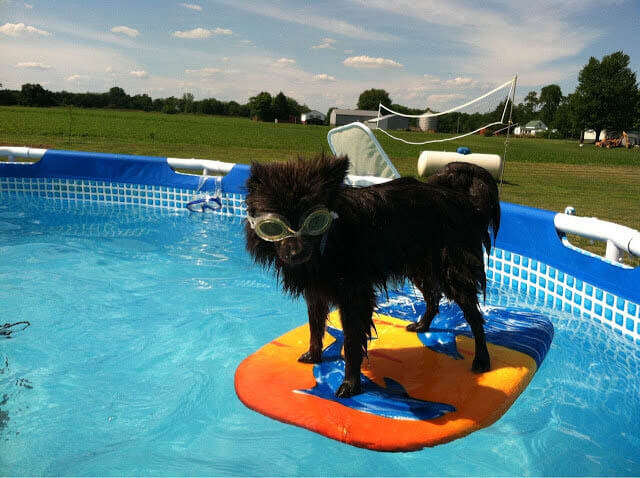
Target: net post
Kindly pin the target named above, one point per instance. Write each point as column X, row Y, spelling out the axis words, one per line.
column 512, row 95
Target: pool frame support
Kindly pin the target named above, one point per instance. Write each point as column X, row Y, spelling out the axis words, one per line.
column 619, row 238
column 21, row 152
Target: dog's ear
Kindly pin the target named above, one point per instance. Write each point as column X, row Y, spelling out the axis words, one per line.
column 334, row 169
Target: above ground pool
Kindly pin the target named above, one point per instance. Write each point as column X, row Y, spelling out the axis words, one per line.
column 126, row 317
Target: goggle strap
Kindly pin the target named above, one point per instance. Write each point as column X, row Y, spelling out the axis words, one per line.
column 323, row 242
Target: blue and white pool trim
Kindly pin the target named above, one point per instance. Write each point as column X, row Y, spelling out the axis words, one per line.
column 531, row 255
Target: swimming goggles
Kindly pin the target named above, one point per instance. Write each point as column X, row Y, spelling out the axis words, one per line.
column 204, row 203
column 273, row 227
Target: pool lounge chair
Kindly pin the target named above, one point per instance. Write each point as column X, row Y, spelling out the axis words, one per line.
column 368, row 160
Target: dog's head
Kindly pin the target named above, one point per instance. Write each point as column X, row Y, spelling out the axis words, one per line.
column 291, row 190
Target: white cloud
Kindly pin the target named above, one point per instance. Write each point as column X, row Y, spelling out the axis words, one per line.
column 326, row 43
column 77, row 77
column 28, row 6
column 191, row 6
column 32, row 65
column 130, row 32
column 139, row 74
column 18, row 29
column 203, row 71
column 302, row 15
column 285, row 62
column 491, row 36
column 369, row 62
column 460, row 82
column 323, row 77
column 201, row 33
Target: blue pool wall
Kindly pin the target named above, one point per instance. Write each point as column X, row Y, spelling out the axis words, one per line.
column 529, row 256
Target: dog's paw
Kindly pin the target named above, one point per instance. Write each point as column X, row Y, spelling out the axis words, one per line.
column 480, row 365
column 348, row 389
column 310, row 357
column 417, row 327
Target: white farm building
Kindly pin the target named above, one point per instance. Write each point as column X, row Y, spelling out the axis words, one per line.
column 531, row 128
column 342, row 117
column 388, row 122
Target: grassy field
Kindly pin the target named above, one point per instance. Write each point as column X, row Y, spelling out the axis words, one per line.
column 548, row 174
column 242, row 140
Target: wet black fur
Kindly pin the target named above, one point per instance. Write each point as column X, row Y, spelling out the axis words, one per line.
column 430, row 232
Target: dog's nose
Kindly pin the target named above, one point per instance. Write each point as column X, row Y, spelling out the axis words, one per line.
column 294, row 251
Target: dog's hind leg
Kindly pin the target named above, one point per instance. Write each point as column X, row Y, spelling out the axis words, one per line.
column 317, row 309
column 472, row 314
column 432, row 299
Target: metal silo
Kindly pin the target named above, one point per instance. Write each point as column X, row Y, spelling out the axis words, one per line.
column 428, row 123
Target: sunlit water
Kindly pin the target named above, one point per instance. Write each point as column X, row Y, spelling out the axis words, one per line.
column 140, row 318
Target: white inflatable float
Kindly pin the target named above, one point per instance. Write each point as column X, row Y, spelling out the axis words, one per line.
column 432, row 161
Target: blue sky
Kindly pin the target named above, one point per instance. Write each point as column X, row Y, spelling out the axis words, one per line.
column 323, row 53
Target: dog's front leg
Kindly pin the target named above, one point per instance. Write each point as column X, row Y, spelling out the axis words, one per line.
column 317, row 309
column 356, row 324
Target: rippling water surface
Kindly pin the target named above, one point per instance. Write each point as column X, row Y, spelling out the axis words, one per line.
column 138, row 320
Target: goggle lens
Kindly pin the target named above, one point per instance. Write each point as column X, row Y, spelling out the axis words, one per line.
column 317, row 222
column 271, row 229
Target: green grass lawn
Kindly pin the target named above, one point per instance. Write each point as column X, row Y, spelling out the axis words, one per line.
column 548, row 174
column 242, row 140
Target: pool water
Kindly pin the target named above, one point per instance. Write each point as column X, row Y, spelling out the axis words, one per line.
column 139, row 318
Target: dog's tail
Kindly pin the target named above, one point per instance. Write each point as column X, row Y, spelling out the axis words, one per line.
column 478, row 184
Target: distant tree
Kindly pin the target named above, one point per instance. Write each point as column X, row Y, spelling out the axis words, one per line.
column 170, row 105
column 236, row 109
column 261, row 106
column 530, row 106
column 636, row 123
column 233, row 108
column 118, row 98
column 186, row 103
column 281, row 107
column 9, row 97
column 296, row 108
column 35, row 95
column 607, row 94
column 210, row 106
column 564, row 120
column 141, row 102
column 371, row 99
column 549, row 101
column 158, row 104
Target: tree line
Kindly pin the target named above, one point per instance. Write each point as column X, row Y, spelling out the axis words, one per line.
column 262, row 107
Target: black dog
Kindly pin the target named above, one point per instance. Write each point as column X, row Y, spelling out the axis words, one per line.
column 337, row 245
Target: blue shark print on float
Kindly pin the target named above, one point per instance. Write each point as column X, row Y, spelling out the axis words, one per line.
column 391, row 401
column 528, row 332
